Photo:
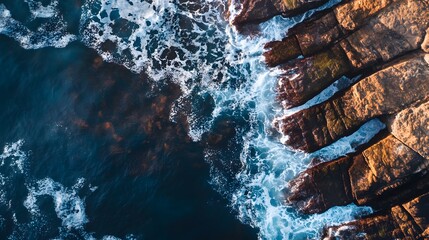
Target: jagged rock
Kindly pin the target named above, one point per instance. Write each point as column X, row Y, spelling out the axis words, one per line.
column 380, row 226
column 315, row 37
column 388, row 91
column 353, row 14
column 425, row 44
column 321, row 187
column 411, row 126
column 399, row 29
column 406, row 221
column 388, row 171
column 395, row 31
column 291, row 7
column 383, row 167
column 304, row 78
column 304, row 39
column 256, row 11
column 315, row 127
column 375, row 173
column 281, row 51
column 316, row 34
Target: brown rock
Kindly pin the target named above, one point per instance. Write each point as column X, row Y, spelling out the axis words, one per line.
column 418, row 210
column 315, row 127
column 321, row 187
column 406, row 221
column 398, row 29
column 304, row 78
column 386, row 165
column 411, row 126
column 290, row 7
column 315, row 36
column 355, row 37
column 353, row 14
column 281, row 51
column 377, row 95
column 378, row 172
column 319, row 33
column 254, row 11
column 425, row 44
column 380, row 226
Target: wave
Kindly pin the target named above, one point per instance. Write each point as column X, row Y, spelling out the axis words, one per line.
column 68, row 203
column 50, row 33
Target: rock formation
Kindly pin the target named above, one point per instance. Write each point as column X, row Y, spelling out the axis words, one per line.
column 405, row 221
column 382, row 39
column 379, row 94
column 255, row 11
column 386, row 42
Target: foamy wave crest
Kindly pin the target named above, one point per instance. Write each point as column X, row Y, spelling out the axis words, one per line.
column 13, row 161
column 17, row 158
column 50, row 33
column 69, row 206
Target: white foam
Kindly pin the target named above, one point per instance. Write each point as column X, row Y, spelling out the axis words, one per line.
column 324, row 95
column 52, row 33
column 15, row 155
column 69, row 207
column 37, row 9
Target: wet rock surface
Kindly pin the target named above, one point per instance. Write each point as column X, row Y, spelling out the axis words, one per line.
column 256, row 11
column 382, row 93
column 405, row 221
column 385, row 42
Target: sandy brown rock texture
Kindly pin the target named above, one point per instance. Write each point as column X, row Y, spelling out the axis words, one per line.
column 386, row 42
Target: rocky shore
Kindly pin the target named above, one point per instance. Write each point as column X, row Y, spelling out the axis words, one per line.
column 386, row 43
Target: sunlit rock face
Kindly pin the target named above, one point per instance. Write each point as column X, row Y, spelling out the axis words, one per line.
column 384, row 44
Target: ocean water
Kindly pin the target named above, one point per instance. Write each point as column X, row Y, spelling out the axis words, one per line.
column 147, row 119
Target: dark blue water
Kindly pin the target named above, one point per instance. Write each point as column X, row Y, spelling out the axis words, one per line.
column 80, row 117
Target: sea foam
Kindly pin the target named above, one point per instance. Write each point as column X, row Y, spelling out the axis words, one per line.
column 51, row 33
column 68, row 202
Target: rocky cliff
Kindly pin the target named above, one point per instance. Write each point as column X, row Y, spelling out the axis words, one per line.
column 386, row 42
